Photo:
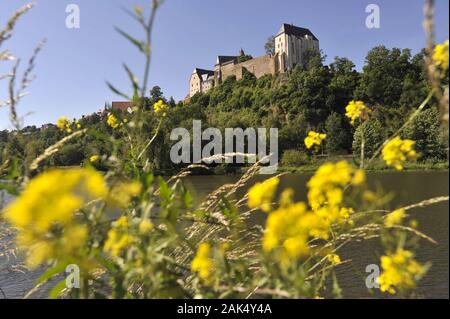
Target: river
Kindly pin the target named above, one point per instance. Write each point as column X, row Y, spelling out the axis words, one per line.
column 408, row 187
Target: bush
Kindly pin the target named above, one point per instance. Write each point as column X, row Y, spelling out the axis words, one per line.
column 294, row 158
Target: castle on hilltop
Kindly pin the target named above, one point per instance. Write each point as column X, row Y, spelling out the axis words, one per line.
column 291, row 45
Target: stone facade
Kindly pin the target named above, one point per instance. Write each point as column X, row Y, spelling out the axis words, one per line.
column 258, row 66
column 291, row 45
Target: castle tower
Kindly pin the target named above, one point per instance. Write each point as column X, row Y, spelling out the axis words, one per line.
column 291, row 45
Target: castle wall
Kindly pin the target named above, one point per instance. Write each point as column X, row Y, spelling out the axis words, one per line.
column 258, row 66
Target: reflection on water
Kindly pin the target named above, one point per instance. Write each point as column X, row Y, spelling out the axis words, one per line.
column 409, row 188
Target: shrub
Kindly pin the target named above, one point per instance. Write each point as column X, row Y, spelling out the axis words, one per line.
column 294, row 158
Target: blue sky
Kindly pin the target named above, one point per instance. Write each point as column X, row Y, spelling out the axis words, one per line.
column 73, row 67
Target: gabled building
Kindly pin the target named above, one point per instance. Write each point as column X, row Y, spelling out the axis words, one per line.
column 201, row 81
column 292, row 44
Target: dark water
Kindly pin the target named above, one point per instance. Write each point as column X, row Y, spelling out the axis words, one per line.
column 408, row 187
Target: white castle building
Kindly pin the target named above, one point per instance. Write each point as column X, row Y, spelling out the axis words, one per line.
column 291, row 47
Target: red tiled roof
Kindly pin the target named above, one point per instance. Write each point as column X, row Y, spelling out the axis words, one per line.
column 123, row 106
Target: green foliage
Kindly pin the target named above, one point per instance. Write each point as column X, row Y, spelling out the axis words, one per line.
column 269, row 47
column 426, row 132
column 313, row 96
column 244, row 57
column 374, row 135
column 392, row 78
column 339, row 137
column 294, row 158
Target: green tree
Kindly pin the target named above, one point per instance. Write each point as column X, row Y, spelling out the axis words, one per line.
column 339, row 134
column 383, row 76
column 344, row 81
column 374, row 136
column 269, row 47
column 156, row 94
column 426, row 132
column 243, row 57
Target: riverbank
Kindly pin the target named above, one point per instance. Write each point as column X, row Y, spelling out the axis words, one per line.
column 310, row 167
column 376, row 166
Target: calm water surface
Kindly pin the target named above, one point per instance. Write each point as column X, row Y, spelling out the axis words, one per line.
column 409, row 188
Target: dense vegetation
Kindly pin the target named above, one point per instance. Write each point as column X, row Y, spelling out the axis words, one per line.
column 311, row 97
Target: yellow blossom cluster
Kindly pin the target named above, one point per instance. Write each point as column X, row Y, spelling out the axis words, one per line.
column 314, row 139
column 440, row 55
column 160, row 107
column 119, row 237
column 64, row 124
column 398, row 151
column 399, row 271
column 261, row 194
column 145, row 226
column 327, row 185
column 203, row 263
column 292, row 225
column 288, row 230
column 44, row 213
column 357, row 110
column 122, row 192
column 113, row 121
column 395, row 218
column 94, row 158
column 334, row 259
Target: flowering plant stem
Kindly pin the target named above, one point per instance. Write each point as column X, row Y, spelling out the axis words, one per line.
column 412, row 117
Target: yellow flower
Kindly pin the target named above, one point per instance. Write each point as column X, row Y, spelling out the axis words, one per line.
column 160, row 106
column 94, row 158
column 400, row 271
column 369, row 196
column 286, row 197
column 395, row 217
column 44, row 213
column 314, row 139
column 62, row 123
column 397, row 151
column 288, row 230
column 203, row 264
column 334, row 259
column 122, row 193
column 413, row 223
column 113, row 121
column 145, row 226
column 117, row 242
column 356, row 110
column 261, row 194
column 345, row 213
column 327, row 185
column 440, row 55
column 118, row 237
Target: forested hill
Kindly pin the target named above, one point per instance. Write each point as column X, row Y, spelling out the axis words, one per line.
column 311, row 97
